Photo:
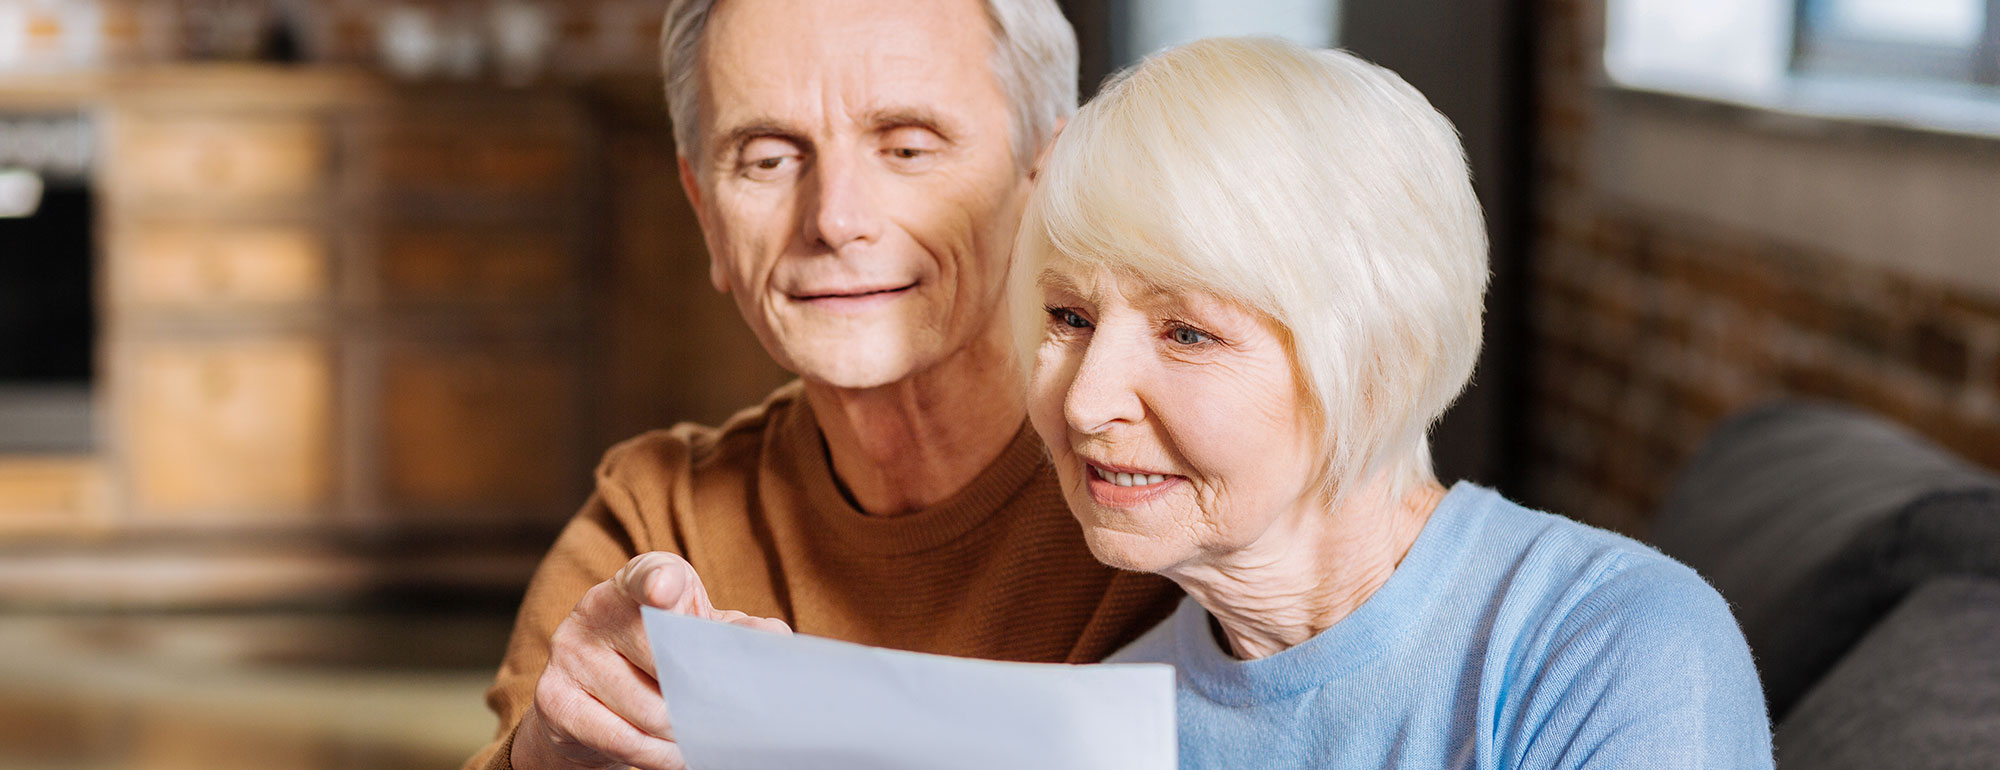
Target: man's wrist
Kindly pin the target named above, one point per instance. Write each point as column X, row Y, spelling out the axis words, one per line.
column 524, row 752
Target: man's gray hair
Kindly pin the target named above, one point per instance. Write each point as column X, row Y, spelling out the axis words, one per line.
column 1034, row 58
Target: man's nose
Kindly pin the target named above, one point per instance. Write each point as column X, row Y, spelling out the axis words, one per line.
column 1103, row 391
column 843, row 208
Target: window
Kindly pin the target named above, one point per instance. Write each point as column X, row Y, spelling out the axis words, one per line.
column 1934, row 40
column 1151, row 25
column 1933, row 64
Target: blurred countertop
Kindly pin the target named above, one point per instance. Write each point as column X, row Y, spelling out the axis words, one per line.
column 304, row 691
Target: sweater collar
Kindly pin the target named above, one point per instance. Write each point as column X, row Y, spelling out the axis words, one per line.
column 800, row 452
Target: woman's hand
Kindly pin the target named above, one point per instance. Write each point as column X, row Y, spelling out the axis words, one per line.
column 597, row 704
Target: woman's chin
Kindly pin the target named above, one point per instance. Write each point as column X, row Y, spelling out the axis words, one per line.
column 1127, row 551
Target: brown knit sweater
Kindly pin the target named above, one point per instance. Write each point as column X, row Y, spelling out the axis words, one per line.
column 998, row 571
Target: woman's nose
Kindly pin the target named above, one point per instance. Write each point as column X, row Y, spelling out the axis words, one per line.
column 1104, row 394
column 841, row 208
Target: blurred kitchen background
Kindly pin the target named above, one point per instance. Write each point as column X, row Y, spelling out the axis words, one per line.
column 314, row 316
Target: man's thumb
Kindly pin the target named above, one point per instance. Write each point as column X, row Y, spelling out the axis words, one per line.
column 667, row 581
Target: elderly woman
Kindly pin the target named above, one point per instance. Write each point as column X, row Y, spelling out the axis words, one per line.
column 1252, row 277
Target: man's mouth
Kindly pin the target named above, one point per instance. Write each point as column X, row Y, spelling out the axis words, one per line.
column 864, row 293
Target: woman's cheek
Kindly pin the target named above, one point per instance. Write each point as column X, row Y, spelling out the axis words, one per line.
column 1048, row 393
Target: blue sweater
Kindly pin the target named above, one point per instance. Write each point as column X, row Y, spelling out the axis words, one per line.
column 1507, row 638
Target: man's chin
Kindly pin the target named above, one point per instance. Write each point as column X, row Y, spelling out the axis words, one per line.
column 854, row 369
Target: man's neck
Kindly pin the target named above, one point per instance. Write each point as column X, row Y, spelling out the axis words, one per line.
column 914, row 443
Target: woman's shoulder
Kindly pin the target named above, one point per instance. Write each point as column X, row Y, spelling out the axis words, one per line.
column 1563, row 582
column 1575, row 558
column 1620, row 651
column 1647, row 668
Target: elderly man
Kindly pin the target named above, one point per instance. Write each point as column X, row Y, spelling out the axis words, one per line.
column 858, row 168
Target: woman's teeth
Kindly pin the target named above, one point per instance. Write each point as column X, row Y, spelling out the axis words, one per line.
column 1128, row 479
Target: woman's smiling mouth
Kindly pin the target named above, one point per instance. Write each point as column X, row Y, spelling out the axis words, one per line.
column 1125, row 487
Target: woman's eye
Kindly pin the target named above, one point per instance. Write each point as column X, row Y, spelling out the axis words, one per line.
column 1189, row 336
column 907, row 153
column 1069, row 318
column 769, row 164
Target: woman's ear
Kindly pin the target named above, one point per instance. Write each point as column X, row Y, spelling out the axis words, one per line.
column 1035, row 171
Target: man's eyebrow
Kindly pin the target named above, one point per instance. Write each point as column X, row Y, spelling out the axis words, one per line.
column 736, row 137
column 919, row 117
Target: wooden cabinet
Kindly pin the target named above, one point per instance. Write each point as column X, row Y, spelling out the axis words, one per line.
column 487, row 432
column 479, row 151
column 504, row 265
column 171, row 157
column 356, row 337
column 338, row 305
column 50, row 496
column 201, row 267
column 228, row 430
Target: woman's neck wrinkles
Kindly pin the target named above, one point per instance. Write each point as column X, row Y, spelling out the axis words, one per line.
column 1312, row 570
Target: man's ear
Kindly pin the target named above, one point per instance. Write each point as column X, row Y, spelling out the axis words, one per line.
column 1035, row 171
column 691, row 187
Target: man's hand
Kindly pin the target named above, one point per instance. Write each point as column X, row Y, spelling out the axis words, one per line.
column 597, row 704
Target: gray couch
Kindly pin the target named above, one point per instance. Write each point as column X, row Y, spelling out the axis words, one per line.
column 1864, row 566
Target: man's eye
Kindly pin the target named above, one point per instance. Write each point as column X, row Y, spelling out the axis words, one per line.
column 907, row 153
column 1189, row 336
column 1069, row 318
column 768, row 164
column 767, row 158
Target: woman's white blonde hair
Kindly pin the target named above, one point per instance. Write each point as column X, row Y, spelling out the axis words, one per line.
column 1309, row 186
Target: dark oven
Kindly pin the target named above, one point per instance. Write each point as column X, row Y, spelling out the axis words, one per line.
column 47, row 310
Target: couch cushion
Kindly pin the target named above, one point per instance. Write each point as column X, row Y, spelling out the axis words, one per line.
column 1813, row 520
column 1921, row 690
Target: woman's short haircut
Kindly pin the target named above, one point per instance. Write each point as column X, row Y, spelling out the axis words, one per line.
column 1306, row 185
column 1034, row 57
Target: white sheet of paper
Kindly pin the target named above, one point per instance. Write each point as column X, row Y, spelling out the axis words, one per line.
column 742, row 699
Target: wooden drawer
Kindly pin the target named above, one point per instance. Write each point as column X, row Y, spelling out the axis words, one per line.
column 488, row 433
column 449, row 264
column 48, row 494
column 451, row 160
column 221, row 157
column 203, row 267
column 227, row 428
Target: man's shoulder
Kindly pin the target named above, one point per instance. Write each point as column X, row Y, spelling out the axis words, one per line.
column 672, row 454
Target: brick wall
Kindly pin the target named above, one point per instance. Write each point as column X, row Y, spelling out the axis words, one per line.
column 1647, row 328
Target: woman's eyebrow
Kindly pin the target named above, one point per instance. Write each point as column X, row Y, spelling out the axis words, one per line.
column 1052, row 279
column 1193, row 307
column 1159, row 298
